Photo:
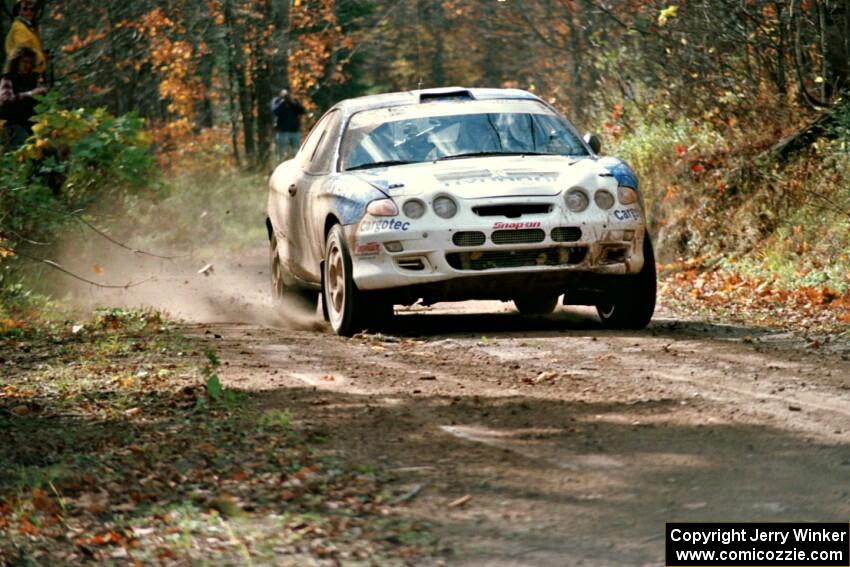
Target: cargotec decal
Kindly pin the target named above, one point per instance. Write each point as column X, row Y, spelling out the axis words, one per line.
column 385, row 225
column 627, row 215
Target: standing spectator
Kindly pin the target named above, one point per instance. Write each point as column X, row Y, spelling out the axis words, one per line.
column 18, row 88
column 23, row 33
column 287, row 124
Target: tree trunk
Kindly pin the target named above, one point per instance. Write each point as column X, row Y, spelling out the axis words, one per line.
column 824, row 51
column 782, row 47
column 578, row 101
column 246, row 110
column 232, row 82
column 847, row 32
column 280, row 59
column 263, row 90
column 4, row 14
column 437, row 23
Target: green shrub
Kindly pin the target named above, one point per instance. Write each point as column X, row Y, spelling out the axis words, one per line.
column 74, row 161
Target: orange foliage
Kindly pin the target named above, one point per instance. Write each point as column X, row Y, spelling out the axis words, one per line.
column 308, row 59
column 755, row 298
column 207, row 151
column 78, row 42
column 174, row 60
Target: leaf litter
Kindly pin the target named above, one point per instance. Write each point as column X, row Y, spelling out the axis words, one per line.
column 106, row 457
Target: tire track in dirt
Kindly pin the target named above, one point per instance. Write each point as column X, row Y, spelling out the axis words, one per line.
column 635, row 430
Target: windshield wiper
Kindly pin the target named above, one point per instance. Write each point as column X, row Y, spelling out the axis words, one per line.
column 485, row 154
column 377, row 164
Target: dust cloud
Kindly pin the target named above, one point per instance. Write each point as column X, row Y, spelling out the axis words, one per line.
column 235, row 287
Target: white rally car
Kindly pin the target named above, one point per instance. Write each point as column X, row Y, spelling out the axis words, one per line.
column 457, row 194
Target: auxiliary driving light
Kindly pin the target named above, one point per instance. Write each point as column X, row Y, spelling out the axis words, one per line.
column 577, row 200
column 604, row 199
column 413, row 209
column 445, row 207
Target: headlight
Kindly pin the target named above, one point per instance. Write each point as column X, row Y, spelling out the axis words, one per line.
column 577, row 200
column 382, row 208
column 604, row 199
column 627, row 195
column 413, row 209
column 445, row 207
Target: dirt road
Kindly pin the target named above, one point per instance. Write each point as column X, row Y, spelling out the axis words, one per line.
column 548, row 441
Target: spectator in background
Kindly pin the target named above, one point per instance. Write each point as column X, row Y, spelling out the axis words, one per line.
column 23, row 33
column 19, row 86
column 287, row 124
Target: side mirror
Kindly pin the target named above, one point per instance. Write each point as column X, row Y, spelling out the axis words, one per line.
column 594, row 142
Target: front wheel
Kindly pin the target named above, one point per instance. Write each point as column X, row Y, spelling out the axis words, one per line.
column 632, row 305
column 348, row 309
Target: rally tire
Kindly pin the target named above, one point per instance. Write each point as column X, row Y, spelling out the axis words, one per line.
column 633, row 303
column 325, row 314
column 346, row 305
column 284, row 293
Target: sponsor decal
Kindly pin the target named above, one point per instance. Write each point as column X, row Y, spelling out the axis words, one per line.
column 385, row 225
column 531, row 178
column 516, row 225
column 627, row 215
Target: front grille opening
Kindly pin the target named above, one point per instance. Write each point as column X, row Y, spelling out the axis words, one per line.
column 566, row 234
column 525, row 236
column 469, row 239
column 411, row 264
column 512, row 211
column 614, row 255
column 535, row 257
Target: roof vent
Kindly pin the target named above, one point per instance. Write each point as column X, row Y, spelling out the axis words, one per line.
column 451, row 93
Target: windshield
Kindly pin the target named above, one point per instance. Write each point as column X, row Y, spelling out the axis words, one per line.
column 453, row 130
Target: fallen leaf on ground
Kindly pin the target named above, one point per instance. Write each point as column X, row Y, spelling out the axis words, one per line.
column 460, row 501
column 133, row 412
column 545, row 377
column 21, row 410
column 107, row 538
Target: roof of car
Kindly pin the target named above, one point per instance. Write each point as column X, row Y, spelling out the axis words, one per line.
column 353, row 105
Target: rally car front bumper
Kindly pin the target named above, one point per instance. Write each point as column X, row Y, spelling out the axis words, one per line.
column 557, row 246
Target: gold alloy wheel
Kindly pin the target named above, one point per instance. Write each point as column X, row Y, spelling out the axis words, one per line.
column 335, row 283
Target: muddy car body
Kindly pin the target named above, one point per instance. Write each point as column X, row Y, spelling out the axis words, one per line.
column 457, row 194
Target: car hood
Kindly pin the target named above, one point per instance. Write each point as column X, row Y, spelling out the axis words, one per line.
column 487, row 177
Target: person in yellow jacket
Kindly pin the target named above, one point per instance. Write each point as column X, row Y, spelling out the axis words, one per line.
column 23, row 33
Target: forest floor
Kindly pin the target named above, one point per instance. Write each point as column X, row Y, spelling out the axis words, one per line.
column 466, row 434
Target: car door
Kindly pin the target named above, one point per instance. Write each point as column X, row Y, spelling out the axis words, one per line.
column 320, row 174
column 307, row 181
